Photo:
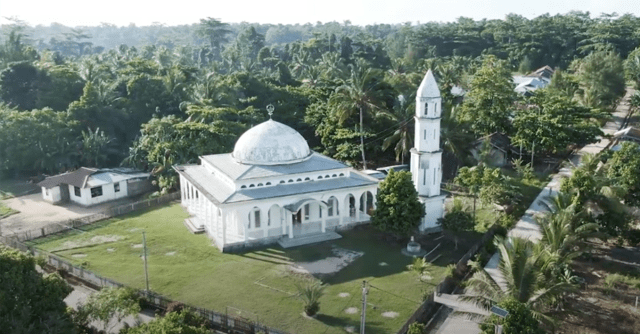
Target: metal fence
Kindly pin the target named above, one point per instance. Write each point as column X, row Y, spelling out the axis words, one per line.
column 74, row 223
column 218, row 321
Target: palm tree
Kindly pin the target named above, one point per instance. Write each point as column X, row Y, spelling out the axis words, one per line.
column 310, row 295
column 455, row 137
column 402, row 114
column 358, row 93
column 215, row 31
column 522, row 279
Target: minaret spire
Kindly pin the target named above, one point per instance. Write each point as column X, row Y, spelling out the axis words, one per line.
column 426, row 156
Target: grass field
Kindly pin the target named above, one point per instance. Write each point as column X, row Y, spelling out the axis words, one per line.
column 260, row 283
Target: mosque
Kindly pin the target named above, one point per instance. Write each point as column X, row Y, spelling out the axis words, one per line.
column 273, row 188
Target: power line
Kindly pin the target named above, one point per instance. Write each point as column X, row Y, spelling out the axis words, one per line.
column 393, row 294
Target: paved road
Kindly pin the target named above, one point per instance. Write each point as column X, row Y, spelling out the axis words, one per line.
column 526, row 226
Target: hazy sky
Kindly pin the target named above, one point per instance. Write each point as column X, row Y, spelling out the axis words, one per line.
column 359, row 12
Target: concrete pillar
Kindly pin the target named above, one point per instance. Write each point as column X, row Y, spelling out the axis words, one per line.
column 324, row 219
column 224, row 228
column 358, row 200
column 290, row 224
column 283, row 220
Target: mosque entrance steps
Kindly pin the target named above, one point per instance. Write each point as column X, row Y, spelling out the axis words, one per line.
column 194, row 225
column 307, row 239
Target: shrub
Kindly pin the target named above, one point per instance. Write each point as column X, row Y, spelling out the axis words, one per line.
column 175, row 307
column 416, row 328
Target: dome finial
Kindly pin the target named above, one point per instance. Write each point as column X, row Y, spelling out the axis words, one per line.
column 270, row 109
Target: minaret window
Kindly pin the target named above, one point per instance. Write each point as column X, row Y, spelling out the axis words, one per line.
column 434, row 176
column 424, row 177
column 425, row 134
column 426, row 109
column 434, row 134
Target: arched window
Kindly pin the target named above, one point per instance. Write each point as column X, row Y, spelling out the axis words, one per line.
column 282, row 181
column 260, row 184
column 268, row 183
column 334, row 175
column 326, row 176
column 341, row 174
column 307, row 179
column 299, row 180
column 290, row 180
column 252, row 185
column 319, row 177
column 243, row 187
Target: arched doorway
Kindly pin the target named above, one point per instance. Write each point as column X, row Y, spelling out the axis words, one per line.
column 350, row 202
column 366, row 203
column 274, row 219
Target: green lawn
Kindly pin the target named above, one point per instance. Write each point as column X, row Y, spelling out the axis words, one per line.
column 200, row 275
column 6, row 211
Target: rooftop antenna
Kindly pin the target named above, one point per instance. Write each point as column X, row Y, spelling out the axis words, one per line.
column 270, row 109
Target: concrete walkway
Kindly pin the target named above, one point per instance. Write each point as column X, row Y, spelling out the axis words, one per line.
column 526, row 227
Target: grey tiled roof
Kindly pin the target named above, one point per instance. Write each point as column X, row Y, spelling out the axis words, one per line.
column 238, row 171
column 218, row 192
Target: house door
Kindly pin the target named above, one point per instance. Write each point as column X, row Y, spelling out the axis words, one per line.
column 64, row 193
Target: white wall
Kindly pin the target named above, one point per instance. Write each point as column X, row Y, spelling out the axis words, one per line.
column 53, row 195
column 108, row 194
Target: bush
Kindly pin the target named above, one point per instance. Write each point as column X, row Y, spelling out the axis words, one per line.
column 175, row 307
column 310, row 295
column 416, row 328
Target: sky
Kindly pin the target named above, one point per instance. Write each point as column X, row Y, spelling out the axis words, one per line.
column 359, row 12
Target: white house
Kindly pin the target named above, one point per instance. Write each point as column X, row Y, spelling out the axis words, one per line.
column 89, row 186
column 273, row 188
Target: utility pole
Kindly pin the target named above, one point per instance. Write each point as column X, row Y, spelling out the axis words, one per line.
column 146, row 271
column 364, row 306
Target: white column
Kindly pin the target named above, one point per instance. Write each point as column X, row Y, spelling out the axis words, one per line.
column 223, row 221
column 290, row 224
column 283, row 220
column 182, row 189
column 324, row 218
column 358, row 200
column 246, row 226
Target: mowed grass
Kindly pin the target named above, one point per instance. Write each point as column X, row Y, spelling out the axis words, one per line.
column 200, row 275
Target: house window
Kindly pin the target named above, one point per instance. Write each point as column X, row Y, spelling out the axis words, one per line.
column 76, row 191
column 116, row 187
column 96, row 191
column 46, row 192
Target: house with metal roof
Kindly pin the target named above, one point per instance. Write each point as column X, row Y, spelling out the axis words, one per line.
column 90, row 186
column 273, row 188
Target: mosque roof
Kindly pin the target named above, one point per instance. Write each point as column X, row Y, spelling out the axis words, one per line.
column 271, row 143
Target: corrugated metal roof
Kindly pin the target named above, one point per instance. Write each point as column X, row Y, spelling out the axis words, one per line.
column 92, row 177
column 219, row 192
column 76, row 178
column 238, row 171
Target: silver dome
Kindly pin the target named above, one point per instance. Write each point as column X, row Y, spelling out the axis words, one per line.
column 271, row 143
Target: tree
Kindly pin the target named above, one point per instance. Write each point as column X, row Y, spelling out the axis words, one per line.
column 183, row 322
column 521, row 268
column 551, row 123
column 215, row 31
column 110, row 304
column 20, row 84
column 624, row 165
column 488, row 105
column 600, row 77
column 456, row 220
column 358, row 93
column 310, row 294
column 485, row 183
column 29, row 301
column 403, row 135
column 398, row 209
column 519, row 321
column 96, row 147
column 632, row 67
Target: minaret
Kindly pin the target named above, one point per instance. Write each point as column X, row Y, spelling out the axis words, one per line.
column 426, row 156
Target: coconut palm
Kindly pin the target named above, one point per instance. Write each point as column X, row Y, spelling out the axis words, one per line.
column 310, row 295
column 358, row 93
column 455, row 137
column 402, row 115
column 522, row 279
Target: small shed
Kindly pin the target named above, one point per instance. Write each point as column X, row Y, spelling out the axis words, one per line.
column 500, row 145
column 90, row 186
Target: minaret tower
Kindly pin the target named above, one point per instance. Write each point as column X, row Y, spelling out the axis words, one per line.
column 426, row 156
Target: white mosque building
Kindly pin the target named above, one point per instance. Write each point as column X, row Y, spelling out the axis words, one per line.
column 273, row 188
